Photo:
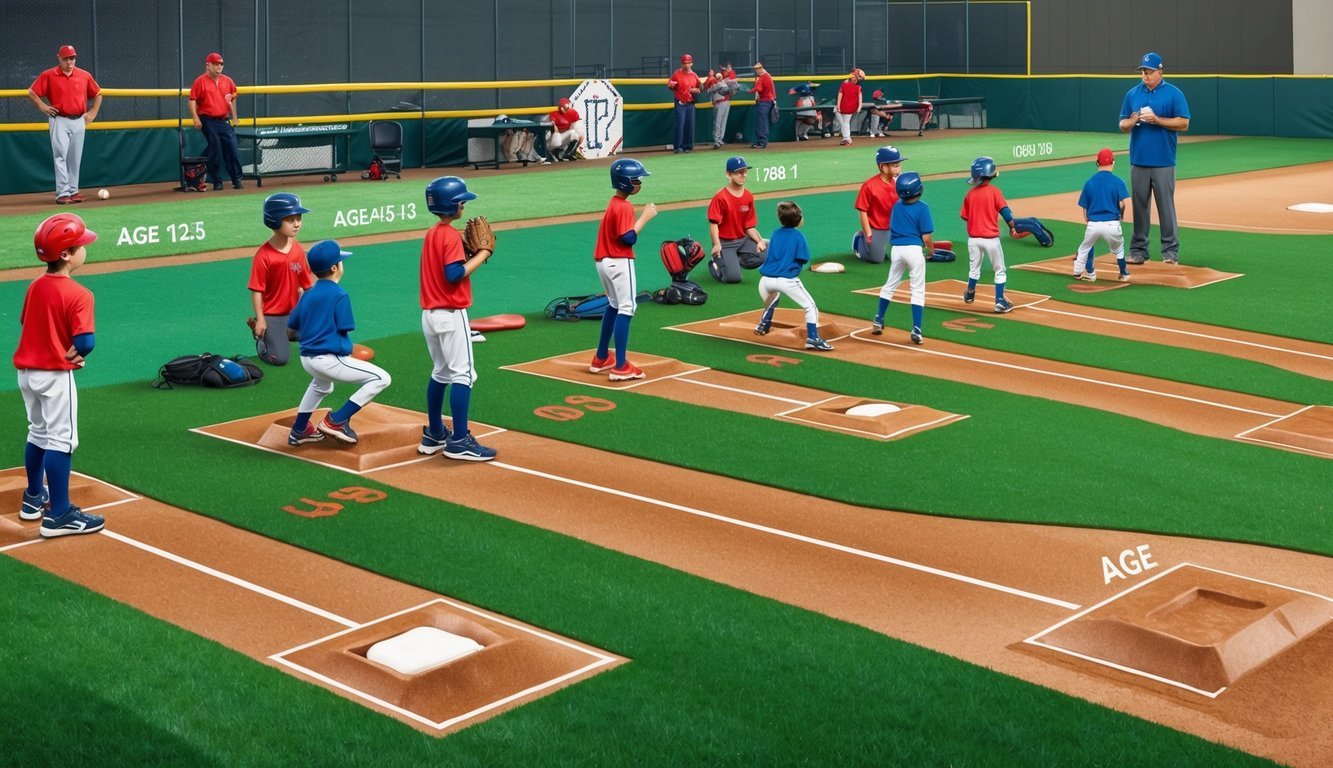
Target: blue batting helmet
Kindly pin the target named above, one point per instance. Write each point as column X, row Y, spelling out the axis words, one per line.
column 909, row 185
column 889, row 154
column 279, row 206
column 443, row 195
column 982, row 168
column 625, row 172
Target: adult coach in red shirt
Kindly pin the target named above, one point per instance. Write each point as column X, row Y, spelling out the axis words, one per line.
column 685, row 84
column 765, row 98
column 62, row 93
column 213, row 109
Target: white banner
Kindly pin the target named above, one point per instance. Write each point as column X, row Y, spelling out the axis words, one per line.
column 602, row 109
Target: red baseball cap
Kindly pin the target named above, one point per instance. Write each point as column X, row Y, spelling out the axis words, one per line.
column 213, row 58
column 66, row 51
column 686, row 59
column 564, row 103
column 1105, row 157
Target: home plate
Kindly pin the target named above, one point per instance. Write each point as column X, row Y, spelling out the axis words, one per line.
column 872, row 409
column 1312, row 207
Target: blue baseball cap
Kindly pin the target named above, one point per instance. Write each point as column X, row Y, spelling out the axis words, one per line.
column 736, row 163
column 1151, row 61
column 324, row 254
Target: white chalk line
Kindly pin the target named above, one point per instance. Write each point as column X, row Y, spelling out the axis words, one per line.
column 780, row 533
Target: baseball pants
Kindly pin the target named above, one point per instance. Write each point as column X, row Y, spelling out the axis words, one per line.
column 721, row 110
column 220, row 149
column 877, row 250
column 771, row 289
column 763, row 119
column 844, row 126
column 449, row 342
column 274, row 347
column 561, row 140
column 67, row 152
column 1110, row 231
column 912, row 260
column 988, row 247
column 736, row 254
column 326, row 369
column 52, row 402
column 619, row 283
column 1159, row 184
column 684, row 125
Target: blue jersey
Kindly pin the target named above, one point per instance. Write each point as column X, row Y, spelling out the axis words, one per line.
column 908, row 222
column 788, row 253
column 1101, row 196
column 323, row 317
column 1153, row 146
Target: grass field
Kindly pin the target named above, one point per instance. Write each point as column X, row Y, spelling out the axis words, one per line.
column 717, row 676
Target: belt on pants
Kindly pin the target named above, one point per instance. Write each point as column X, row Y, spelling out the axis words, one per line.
column 71, row 117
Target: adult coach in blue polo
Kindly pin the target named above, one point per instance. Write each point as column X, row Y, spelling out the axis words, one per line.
column 1153, row 113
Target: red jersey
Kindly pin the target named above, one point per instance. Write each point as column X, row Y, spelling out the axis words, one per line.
column 682, row 80
column 443, row 246
column 618, row 219
column 280, row 277
column 849, row 97
column 732, row 215
column 55, row 310
column 563, row 119
column 69, row 94
column 763, row 88
column 213, row 98
column 876, row 198
column 726, row 74
column 981, row 204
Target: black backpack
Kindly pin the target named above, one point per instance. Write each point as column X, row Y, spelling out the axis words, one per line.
column 208, row 370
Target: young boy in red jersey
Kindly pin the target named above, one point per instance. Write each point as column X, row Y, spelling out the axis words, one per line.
column 57, row 335
column 875, row 202
column 733, row 226
column 980, row 205
column 278, row 275
column 849, row 103
column 614, row 254
column 446, row 294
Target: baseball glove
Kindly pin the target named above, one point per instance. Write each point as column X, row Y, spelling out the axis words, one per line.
column 478, row 236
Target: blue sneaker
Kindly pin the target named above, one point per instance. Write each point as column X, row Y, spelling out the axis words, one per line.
column 818, row 344
column 35, row 507
column 310, row 435
column 1003, row 306
column 916, row 335
column 877, row 326
column 430, row 443
column 341, row 432
column 74, row 522
column 466, row 448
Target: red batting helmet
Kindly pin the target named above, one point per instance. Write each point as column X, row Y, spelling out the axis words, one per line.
column 60, row 233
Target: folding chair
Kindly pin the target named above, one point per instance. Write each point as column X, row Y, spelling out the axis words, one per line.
column 386, row 143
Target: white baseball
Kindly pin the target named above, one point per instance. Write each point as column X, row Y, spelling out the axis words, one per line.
column 1145, row 112
column 103, row 194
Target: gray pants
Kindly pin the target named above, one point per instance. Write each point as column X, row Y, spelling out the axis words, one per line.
column 274, row 347
column 67, row 151
column 736, row 254
column 1160, row 184
column 720, row 111
column 878, row 250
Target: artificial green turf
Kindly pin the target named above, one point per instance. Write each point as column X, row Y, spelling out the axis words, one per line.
column 770, row 690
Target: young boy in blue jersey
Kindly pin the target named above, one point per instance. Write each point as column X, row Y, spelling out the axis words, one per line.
column 1103, row 203
column 910, row 229
column 322, row 319
column 780, row 274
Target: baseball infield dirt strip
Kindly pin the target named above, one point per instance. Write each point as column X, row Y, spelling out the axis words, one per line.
column 1187, row 407
column 1228, row 641
column 1309, row 358
column 309, row 615
column 671, row 379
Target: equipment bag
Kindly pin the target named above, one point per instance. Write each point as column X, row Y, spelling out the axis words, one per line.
column 681, row 292
column 208, row 370
column 377, row 170
column 680, row 256
column 196, row 176
column 578, row 307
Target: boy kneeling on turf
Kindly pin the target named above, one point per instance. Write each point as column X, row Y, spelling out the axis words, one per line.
column 322, row 319
column 788, row 253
